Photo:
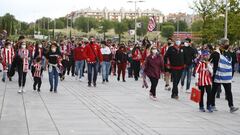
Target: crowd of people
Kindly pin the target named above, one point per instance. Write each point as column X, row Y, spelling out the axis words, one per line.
column 175, row 60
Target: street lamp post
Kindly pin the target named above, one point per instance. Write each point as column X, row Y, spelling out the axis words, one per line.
column 135, row 18
column 226, row 21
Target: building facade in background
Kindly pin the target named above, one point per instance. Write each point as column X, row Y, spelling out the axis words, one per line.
column 116, row 15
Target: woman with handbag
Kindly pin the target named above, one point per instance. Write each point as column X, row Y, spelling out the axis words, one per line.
column 204, row 79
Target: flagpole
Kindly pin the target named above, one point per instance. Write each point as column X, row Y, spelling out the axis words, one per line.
column 226, row 21
column 135, row 18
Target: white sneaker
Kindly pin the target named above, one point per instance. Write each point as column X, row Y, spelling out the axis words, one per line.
column 188, row 91
column 23, row 89
column 154, row 98
column 80, row 79
column 20, row 90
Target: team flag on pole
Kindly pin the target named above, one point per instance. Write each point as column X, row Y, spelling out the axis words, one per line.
column 151, row 24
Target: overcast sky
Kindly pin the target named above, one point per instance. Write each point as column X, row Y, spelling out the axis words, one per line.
column 30, row 10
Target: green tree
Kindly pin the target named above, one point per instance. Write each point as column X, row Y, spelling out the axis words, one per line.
column 182, row 25
column 197, row 26
column 167, row 31
column 8, row 23
column 105, row 25
column 144, row 24
column 120, row 28
column 85, row 24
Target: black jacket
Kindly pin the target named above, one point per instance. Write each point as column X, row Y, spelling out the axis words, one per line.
column 176, row 58
column 189, row 55
column 121, row 57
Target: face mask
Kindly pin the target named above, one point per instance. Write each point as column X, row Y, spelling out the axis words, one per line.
column 169, row 43
column 178, row 43
column 154, row 51
column 40, row 46
column 23, row 46
column 186, row 44
column 131, row 49
column 53, row 49
column 91, row 42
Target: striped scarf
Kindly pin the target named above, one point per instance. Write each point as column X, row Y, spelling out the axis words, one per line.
column 224, row 70
column 23, row 53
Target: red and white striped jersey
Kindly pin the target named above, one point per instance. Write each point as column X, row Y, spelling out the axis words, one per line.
column 204, row 74
column 7, row 55
column 38, row 70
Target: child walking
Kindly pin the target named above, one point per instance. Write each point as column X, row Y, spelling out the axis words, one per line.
column 37, row 70
column 204, row 80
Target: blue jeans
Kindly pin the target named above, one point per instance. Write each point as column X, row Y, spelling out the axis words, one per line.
column 92, row 72
column 187, row 72
column 105, row 70
column 79, row 68
column 43, row 62
column 53, row 77
column 5, row 73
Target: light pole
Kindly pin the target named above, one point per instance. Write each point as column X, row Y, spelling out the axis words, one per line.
column 48, row 30
column 67, row 25
column 135, row 18
column 226, row 21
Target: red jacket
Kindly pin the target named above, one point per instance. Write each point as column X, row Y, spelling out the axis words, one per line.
column 90, row 56
column 79, row 53
column 137, row 55
column 154, row 66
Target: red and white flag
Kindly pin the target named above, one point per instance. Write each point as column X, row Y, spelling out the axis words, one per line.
column 151, row 24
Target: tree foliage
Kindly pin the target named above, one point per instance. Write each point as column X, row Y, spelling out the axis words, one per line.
column 167, row 30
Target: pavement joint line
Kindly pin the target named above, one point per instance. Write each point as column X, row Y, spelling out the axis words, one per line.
column 91, row 109
column 119, row 110
column 54, row 123
column 104, row 102
column 156, row 105
column 25, row 113
column 2, row 105
column 112, row 116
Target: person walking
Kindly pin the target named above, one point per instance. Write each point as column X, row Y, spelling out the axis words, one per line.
column 7, row 55
column 79, row 58
column 107, row 57
column 37, row 71
column 189, row 56
column 121, row 59
column 93, row 57
column 153, row 68
column 223, row 74
column 53, row 61
column 136, row 57
column 175, row 56
column 204, row 73
column 22, row 67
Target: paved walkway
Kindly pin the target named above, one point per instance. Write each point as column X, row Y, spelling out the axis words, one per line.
column 113, row 108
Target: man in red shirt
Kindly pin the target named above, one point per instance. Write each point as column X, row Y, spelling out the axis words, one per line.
column 93, row 57
column 79, row 58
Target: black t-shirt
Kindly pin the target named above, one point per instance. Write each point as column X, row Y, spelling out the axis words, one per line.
column 53, row 57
